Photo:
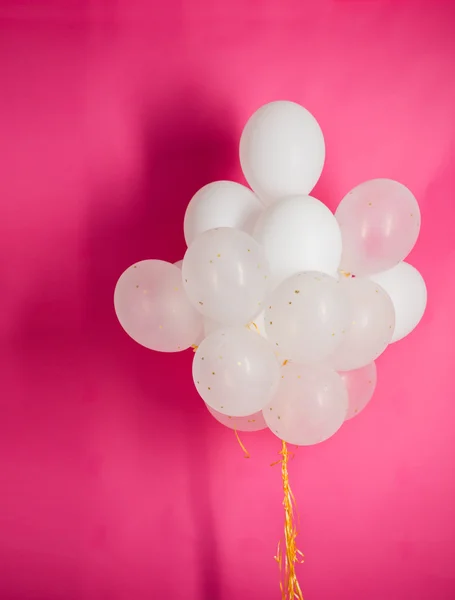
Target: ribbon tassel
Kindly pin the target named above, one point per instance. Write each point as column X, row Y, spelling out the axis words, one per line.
column 288, row 554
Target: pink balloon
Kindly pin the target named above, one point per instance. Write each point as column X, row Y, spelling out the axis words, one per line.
column 380, row 223
column 254, row 422
column 360, row 385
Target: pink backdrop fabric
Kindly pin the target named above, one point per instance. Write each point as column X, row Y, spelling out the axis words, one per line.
column 116, row 483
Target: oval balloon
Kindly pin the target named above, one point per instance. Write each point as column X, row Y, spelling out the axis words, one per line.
column 306, row 316
column 408, row 292
column 235, row 371
column 380, row 223
column 282, row 151
column 221, row 204
column 371, row 324
column 153, row 308
column 309, row 407
column 254, row 422
column 360, row 385
column 226, row 275
column 299, row 234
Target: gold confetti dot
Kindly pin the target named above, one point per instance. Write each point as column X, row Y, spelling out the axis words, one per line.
column 297, row 292
column 370, row 204
column 160, row 327
column 248, row 250
column 271, row 323
column 239, row 363
column 137, row 286
column 282, row 376
column 377, row 291
column 279, row 417
column 289, row 302
column 213, row 372
column 221, row 406
column 265, row 276
column 343, row 331
column 218, row 255
column 270, row 408
column 209, row 388
column 202, row 358
column 186, row 280
column 356, row 410
column 210, row 261
column 220, row 357
column 259, row 266
column 333, row 334
column 412, row 215
column 197, row 381
column 276, row 343
column 353, row 322
column 299, row 377
column 135, row 267
column 201, row 303
column 229, row 417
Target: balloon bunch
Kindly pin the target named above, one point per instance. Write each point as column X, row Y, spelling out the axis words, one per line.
column 286, row 304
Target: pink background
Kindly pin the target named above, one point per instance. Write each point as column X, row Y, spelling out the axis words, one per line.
column 116, row 484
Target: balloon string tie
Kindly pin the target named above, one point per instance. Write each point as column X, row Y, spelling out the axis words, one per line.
column 287, row 554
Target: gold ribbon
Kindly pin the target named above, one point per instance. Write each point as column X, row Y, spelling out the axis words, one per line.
column 289, row 555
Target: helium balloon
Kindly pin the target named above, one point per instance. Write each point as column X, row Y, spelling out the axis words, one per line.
column 360, row 385
column 226, row 275
column 371, row 325
column 235, row 371
column 282, row 151
column 380, row 223
column 299, row 234
column 221, row 204
column 309, row 406
column 306, row 316
column 407, row 290
column 153, row 309
column 254, row 422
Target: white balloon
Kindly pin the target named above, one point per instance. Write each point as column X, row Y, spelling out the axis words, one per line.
column 299, row 234
column 235, row 371
column 407, row 290
column 309, row 406
column 221, row 204
column 254, row 422
column 306, row 316
column 370, row 327
column 282, row 151
column 153, row 309
column 226, row 275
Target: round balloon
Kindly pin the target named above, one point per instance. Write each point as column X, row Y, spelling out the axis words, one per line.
column 408, row 292
column 371, row 324
column 235, row 371
column 282, row 151
column 226, row 275
column 360, row 385
column 380, row 223
column 299, row 234
column 306, row 316
column 310, row 405
column 153, row 309
column 254, row 422
column 221, row 204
